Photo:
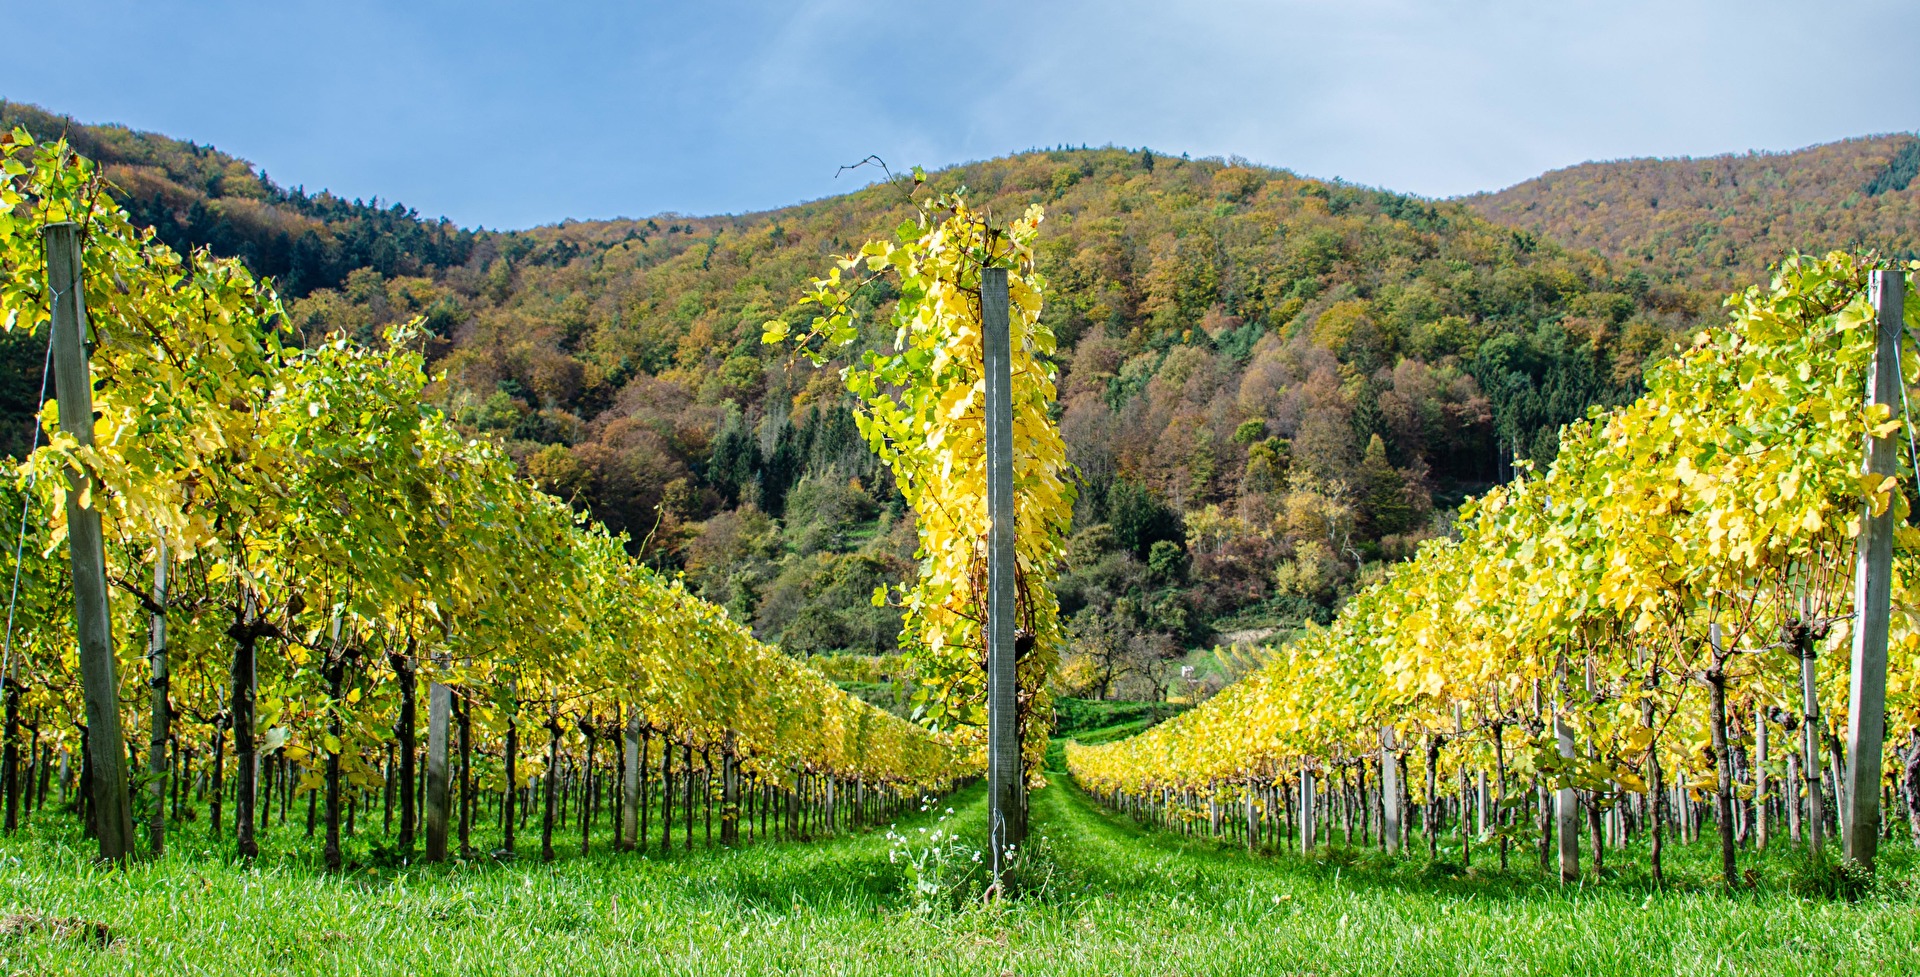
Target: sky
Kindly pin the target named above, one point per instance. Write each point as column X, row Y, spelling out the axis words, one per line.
column 509, row 115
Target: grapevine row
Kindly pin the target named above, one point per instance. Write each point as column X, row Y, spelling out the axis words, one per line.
column 303, row 552
column 1641, row 633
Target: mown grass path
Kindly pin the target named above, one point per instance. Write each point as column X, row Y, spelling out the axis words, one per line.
column 1167, row 904
column 1108, row 897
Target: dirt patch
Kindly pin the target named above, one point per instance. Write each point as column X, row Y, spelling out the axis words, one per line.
column 17, row 925
column 1249, row 636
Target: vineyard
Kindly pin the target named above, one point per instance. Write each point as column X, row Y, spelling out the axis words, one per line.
column 1617, row 640
column 277, row 621
column 311, row 550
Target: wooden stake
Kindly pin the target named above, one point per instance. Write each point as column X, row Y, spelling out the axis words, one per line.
column 439, row 774
column 1005, row 778
column 1872, row 596
column 1760, row 797
column 630, row 785
column 1389, row 792
column 159, row 732
column 1306, row 809
column 93, row 618
column 1566, row 808
column 1809, row 651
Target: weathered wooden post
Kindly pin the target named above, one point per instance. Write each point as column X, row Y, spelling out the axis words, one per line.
column 1566, row 806
column 1792, row 798
column 630, row 785
column 1481, row 804
column 1005, row 778
column 1809, row 650
column 1253, row 818
column 1306, row 808
column 439, row 713
column 159, row 732
column 1872, row 594
column 1389, row 792
column 92, row 617
column 1760, row 798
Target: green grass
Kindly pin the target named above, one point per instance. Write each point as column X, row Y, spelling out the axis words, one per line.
column 1106, row 896
column 1097, row 720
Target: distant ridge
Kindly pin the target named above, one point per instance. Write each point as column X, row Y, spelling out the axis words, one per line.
column 1719, row 221
column 194, row 195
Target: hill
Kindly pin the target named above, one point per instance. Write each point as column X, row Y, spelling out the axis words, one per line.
column 198, row 196
column 1270, row 384
column 1718, row 222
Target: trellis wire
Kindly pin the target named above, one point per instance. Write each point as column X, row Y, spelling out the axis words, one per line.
column 26, row 505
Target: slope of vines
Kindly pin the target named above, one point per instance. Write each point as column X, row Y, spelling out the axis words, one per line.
column 302, row 550
column 1701, row 537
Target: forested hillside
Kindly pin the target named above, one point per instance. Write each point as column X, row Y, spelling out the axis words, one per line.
column 197, row 196
column 1270, row 384
column 1720, row 221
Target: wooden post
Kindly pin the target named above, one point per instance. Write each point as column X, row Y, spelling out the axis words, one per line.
column 630, row 785
column 159, row 733
column 1566, row 808
column 1815, row 819
column 1253, row 820
column 439, row 712
column 1792, row 798
column 1389, row 792
column 92, row 617
column 1760, row 797
column 1306, row 809
column 1872, row 595
column 729, row 792
column 1006, row 780
column 1480, row 804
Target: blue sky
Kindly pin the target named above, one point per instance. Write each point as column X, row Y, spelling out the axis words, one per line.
column 515, row 114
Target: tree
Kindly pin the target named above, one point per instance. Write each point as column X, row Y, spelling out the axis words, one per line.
column 1383, row 492
column 1140, row 519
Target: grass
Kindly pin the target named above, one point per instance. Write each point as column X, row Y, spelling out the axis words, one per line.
column 1106, row 896
column 1097, row 720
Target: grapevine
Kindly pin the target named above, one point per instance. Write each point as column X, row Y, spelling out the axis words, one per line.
column 922, row 411
column 1669, row 571
column 336, row 553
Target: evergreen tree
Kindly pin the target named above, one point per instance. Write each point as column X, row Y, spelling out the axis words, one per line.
column 1383, row 492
